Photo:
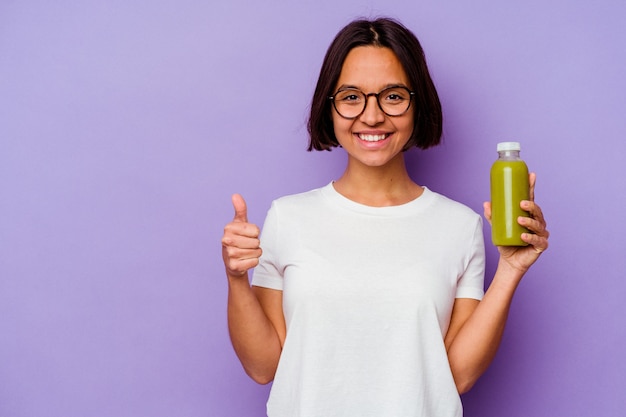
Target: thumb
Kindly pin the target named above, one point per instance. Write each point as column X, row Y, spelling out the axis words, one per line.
column 241, row 210
column 487, row 210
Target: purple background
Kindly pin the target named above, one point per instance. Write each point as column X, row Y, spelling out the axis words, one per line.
column 125, row 126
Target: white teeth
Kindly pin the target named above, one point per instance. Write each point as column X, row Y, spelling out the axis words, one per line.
column 372, row 138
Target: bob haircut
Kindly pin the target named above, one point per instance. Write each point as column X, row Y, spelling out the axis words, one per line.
column 387, row 33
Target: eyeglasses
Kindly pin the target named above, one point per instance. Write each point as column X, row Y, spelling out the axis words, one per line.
column 350, row 103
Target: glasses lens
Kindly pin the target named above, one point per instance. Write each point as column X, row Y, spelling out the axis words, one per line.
column 395, row 100
column 349, row 103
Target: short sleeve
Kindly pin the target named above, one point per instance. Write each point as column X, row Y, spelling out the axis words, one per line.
column 472, row 282
column 269, row 273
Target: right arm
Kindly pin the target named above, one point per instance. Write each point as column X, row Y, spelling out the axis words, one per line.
column 255, row 316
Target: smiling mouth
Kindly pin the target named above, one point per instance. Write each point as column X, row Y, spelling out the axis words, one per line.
column 372, row 138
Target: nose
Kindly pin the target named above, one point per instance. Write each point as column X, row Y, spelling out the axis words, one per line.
column 372, row 114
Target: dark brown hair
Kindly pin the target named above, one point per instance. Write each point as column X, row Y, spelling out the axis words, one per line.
column 388, row 33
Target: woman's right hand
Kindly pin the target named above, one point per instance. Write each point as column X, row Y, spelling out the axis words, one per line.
column 255, row 316
column 241, row 248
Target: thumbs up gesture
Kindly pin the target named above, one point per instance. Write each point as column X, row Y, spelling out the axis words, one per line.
column 240, row 244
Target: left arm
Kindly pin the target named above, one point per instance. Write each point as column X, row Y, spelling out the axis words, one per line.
column 476, row 327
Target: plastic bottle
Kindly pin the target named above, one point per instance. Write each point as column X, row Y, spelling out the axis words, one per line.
column 509, row 186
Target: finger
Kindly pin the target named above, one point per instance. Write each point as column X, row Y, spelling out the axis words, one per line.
column 536, row 223
column 534, row 210
column 534, row 226
column 241, row 267
column 239, row 239
column 539, row 244
column 532, row 180
column 235, row 254
column 238, row 266
column 241, row 210
column 487, row 211
column 238, row 259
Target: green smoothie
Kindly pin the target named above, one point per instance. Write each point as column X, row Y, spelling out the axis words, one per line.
column 509, row 186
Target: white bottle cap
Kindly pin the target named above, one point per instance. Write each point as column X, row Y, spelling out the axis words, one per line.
column 508, row 146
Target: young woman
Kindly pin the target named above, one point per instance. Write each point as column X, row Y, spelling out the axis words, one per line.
column 367, row 297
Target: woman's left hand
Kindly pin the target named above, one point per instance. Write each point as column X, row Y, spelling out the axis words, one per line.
column 522, row 257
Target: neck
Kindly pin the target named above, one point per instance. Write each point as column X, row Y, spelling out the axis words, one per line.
column 388, row 185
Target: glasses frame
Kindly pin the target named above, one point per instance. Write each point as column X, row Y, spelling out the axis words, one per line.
column 368, row 95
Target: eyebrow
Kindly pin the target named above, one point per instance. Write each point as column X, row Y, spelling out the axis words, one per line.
column 354, row 87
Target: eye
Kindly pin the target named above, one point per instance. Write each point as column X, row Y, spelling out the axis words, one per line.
column 349, row 97
column 395, row 95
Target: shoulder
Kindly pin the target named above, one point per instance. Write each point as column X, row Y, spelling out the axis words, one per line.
column 455, row 220
column 450, row 208
column 295, row 204
column 300, row 199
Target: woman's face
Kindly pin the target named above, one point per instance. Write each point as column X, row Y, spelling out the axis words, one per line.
column 373, row 138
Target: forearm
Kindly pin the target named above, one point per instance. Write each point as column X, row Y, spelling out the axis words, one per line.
column 253, row 336
column 476, row 343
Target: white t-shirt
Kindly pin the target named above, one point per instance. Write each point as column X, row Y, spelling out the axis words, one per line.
column 367, row 296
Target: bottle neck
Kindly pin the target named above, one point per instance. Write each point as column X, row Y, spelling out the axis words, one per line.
column 509, row 155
